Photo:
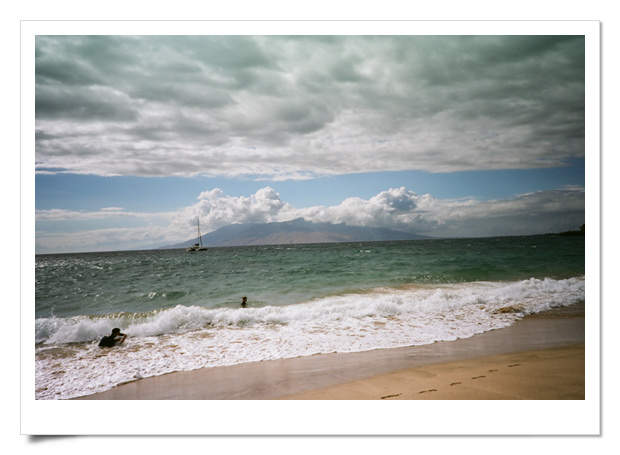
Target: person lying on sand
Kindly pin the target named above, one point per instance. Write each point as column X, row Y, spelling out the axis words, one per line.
column 112, row 339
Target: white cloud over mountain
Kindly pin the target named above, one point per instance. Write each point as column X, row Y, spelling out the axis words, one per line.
column 395, row 208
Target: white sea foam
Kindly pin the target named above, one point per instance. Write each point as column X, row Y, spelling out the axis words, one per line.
column 190, row 337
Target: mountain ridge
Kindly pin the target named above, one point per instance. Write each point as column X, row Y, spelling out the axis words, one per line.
column 297, row 231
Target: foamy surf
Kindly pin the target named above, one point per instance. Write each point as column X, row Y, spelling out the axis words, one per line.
column 70, row 364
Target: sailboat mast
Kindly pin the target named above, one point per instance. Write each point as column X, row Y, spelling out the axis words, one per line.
column 199, row 236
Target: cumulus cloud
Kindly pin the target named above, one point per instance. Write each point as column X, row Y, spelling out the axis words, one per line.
column 395, row 208
column 216, row 209
column 293, row 107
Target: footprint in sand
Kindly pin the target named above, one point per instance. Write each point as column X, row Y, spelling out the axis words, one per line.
column 431, row 390
column 390, row 396
column 454, row 383
column 478, row 377
column 492, row 371
column 514, row 365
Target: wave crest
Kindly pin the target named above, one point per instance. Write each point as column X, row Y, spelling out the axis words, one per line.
column 420, row 302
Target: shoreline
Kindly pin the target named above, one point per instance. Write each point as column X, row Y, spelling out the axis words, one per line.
column 548, row 347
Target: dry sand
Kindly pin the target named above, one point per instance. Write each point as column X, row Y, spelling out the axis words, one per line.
column 540, row 357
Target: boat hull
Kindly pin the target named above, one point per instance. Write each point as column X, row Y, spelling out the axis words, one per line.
column 192, row 248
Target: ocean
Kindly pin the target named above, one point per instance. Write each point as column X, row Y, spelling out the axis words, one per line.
column 182, row 311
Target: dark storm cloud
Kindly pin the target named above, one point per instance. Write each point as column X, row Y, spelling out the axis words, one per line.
column 78, row 104
column 290, row 106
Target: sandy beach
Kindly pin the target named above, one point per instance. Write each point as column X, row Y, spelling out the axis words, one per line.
column 540, row 357
column 549, row 374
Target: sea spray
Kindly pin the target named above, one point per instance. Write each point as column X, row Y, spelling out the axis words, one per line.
column 185, row 338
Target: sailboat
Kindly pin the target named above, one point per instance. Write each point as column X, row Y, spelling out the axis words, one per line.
column 198, row 246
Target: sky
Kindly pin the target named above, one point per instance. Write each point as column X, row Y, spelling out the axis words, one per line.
column 447, row 136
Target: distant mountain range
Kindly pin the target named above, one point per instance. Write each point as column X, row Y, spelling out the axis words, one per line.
column 294, row 232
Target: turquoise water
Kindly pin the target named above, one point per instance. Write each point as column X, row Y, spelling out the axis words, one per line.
column 137, row 281
column 302, row 300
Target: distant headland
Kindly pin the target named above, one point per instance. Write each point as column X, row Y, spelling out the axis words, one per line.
column 580, row 232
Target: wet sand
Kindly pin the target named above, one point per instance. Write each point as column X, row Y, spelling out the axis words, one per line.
column 540, row 357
